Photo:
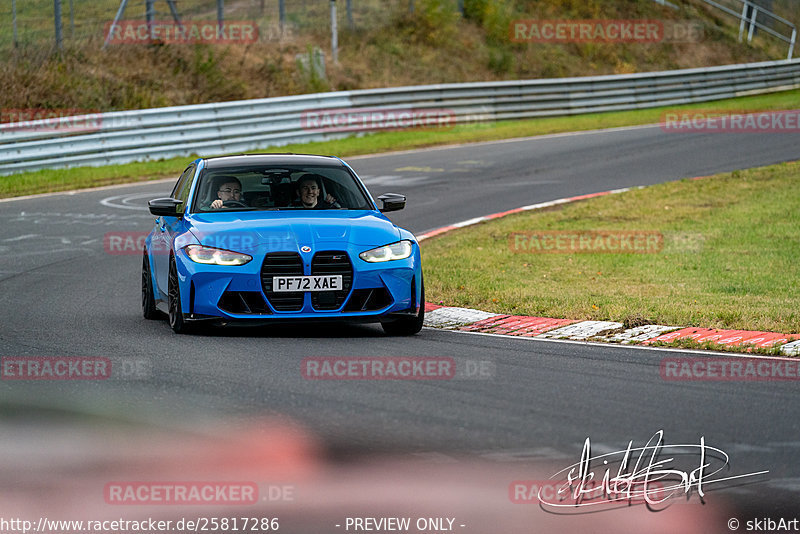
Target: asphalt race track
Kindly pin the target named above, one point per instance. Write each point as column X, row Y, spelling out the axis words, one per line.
column 65, row 295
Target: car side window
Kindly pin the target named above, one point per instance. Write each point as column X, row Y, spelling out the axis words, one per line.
column 182, row 188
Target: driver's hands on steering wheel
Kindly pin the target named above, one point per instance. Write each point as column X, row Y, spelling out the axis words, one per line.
column 330, row 199
column 217, row 204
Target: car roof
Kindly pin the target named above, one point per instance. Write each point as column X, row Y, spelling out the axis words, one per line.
column 272, row 159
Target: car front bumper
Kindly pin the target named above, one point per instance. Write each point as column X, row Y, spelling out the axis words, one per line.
column 376, row 291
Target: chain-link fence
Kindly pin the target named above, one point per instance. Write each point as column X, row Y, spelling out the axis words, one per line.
column 32, row 23
column 761, row 17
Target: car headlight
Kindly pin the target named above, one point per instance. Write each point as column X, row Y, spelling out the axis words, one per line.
column 215, row 256
column 395, row 251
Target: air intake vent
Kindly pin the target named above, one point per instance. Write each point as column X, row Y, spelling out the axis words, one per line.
column 368, row 300
column 243, row 302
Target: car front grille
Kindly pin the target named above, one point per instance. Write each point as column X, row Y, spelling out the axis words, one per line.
column 282, row 264
column 326, row 263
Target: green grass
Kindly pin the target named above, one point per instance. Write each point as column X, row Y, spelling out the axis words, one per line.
column 82, row 177
column 731, row 257
column 691, row 344
column 385, row 47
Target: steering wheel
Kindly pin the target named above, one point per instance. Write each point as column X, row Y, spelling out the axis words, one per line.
column 234, row 204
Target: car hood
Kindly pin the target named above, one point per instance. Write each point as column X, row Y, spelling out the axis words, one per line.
column 289, row 230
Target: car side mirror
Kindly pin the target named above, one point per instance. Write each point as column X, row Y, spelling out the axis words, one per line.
column 165, row 207
column 392, row 202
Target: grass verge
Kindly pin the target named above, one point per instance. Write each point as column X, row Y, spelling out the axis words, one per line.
column 730, row 257
column 46, row 181
column 690, row 344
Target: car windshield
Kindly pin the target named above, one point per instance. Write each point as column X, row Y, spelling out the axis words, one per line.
column 278, row 188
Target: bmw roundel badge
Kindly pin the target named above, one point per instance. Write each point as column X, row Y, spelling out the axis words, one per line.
column 305, row 248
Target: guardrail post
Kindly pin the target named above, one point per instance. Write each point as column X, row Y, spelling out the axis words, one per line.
column 117, row 18
column 71, row 21
column 752, row 24
column 149, row 15
column 57, row 15
column 350, row 22
column 749, row 16
column 174, row 10
column 220, row 13
column 282, row 12
column 743, row 18
column 14, row 21
column 334, row 34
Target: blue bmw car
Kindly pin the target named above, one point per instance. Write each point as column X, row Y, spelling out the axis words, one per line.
column 268, row 238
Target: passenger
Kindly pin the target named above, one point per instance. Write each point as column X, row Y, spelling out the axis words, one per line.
column 308, row 189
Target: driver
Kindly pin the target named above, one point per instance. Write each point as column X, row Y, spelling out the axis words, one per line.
column 230, row 188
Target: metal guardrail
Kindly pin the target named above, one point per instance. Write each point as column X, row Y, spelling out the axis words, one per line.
column 667, row 3
column 748, row 16
column 748, row 19
column 230, row 127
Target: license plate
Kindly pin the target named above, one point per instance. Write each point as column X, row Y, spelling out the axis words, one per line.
column 281, row 284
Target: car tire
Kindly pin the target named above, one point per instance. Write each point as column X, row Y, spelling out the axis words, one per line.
column 407, row 326
column 149, row 310
column 176, row 319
